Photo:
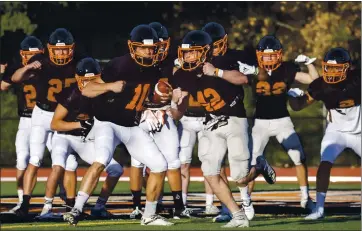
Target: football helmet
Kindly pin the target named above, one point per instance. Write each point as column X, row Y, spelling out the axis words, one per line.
column 61, row 39
column 195, row 41
column 164, row 40
column 142, row 37
column 269, row 53
column 335, row 65
column 30, row 46
column 219, row 37
column 87, row 70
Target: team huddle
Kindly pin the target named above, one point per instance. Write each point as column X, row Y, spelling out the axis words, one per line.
column 158, row 105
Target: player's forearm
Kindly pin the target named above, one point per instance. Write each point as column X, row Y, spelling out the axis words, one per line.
column 63, row 126
column 176, row 114
column 235, row 77
column 313, row 73
column 92, row 89
column 19, row 75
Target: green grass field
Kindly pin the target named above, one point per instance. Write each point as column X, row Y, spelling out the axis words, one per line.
column 9, row 188
column 259, row 223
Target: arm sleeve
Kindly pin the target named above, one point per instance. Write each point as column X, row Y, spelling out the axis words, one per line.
column 315, row 89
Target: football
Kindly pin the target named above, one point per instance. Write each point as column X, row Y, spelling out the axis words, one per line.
column 161, row 88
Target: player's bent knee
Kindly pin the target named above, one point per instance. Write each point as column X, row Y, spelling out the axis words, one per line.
column 157, row 167
column 71, row 163
column 22, row 162
column 114, row 170
column 35, row 160
column 175, row 164
column 238, row 173
column 135, row 163
column 296, row 157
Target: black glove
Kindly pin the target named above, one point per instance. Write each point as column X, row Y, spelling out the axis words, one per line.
column 86, row 126
column 213, row 122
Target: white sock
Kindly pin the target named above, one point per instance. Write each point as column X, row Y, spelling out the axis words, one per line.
column 101, row 203
column 321, row 197
column 150, row 209
column 209, row 199
column 20, row 195
column 81, row 199
column 304, row 191
column 48, row 203
column 245, row 197
column 184, row 198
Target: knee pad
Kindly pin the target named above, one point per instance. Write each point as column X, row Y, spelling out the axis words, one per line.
column 296, row 156
column 135, row 163
column 71, row 163
column 239, row 157
column 114, row 169
column 35, row 160
column 175, row 164
column 160, row 166
column 22, row 160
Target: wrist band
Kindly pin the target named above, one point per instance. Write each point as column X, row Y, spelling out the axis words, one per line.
column 256, row 71
column 220, row 73
column 174, row 105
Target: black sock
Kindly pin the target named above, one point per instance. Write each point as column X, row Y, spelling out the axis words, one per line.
column 70, row 202
column 177, row 200
column 136, row 198
column 26, row 201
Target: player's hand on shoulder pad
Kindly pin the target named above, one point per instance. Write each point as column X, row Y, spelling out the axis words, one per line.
column 247, row 69
column 34, row 65
column 208, row 69
column 118, row 86
column 295, row 92
column 304, row 59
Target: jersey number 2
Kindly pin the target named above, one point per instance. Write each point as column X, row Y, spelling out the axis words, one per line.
column 30, row 95
column 57, row 86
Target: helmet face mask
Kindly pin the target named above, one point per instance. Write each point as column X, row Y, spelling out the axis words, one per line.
column 29, row 47
column 143, row 45
column 61, row 39
column 162, row 50
column 220, row 46
column 87, row 70
column 199, row 56
column 335, row 65
column 269, row 53
column 60, row 58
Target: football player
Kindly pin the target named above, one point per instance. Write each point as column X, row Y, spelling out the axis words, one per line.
column 223, row 99
column 48, row 75
column 226, row 59
column 340, row 91
column 168, row 132
column 119, row 97
column 274, row 79
column 73, row 121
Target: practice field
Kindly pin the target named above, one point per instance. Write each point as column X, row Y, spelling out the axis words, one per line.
column 276, row 206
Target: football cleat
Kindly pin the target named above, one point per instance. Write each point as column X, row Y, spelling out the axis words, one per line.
column 223, row 217
column 237, row 222
column 186, row 213
column 72, row 217
column 315, row 215
column 307, row 203
column 156, row 220
column 101, row 213
column 266, row 170
column 249, row 210
column 211, row 210
column 136, row 214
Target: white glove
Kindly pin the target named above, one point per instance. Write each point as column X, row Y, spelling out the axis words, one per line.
column 295, row 92
column 153, row 119
column 247, row 69
column 304, row 59
column 177, row 63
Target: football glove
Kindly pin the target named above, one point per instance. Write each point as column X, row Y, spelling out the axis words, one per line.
column 153, row 119
column 304, row 59
column 295, row 92
column 247, row 69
